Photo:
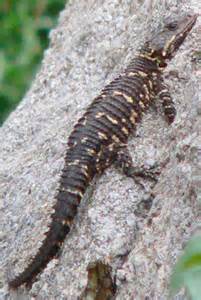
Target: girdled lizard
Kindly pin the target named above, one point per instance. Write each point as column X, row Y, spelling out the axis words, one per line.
column 99, row 138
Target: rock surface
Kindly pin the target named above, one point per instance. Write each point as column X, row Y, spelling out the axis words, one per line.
column 138, row 236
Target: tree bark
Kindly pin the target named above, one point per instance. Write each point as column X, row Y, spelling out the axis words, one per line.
column 135, row 235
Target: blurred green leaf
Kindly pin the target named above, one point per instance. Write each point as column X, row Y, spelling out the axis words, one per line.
column 187, row 271
column 24, row 33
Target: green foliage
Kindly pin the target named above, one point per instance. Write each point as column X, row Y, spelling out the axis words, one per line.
column 23, row 37
column 187, row 271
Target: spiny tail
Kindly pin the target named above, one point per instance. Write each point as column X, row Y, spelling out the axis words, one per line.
column 72, row 187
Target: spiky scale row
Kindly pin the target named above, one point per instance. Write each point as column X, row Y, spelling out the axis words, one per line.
column 100, row 135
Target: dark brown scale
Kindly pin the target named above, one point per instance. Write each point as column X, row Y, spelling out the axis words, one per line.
column 113, row 110
column 91, row 141
column 76, row 171
column 73, row 169
column 136, row 79
column 76, row 156
column 74, row 183
column 135, row 84
column 73, row 155
column 80, row 148
column 111, row 107
column 94, row 104
column 128, row 93
column 139, row 86
column 165, row 94
column 129, row 90
column 80, row 132
column 120, row 87
column 135, row 106
column 120, row 103
column 125, row 85
column 128, row 107
column 73, row 172
column 90, row 145
column 112, row 128
column 79, row 125
column 73, row 202
column 77, row 177
column 169, row 110
column 140, row 66
column 146, row 60
column 139, row 83
column 98, row 128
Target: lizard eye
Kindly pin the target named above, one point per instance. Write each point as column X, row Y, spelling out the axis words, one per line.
column 172, row 26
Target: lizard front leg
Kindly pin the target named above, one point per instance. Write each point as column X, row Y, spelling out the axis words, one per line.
column 168, row 106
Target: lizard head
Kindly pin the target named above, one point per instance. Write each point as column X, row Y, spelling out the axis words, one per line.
column 168, row 40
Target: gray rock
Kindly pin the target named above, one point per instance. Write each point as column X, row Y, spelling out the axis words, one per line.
column 93, row 41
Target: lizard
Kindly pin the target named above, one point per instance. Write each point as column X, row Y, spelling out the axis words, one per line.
column 100, row 136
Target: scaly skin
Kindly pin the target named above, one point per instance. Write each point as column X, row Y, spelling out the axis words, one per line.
column 103, row 131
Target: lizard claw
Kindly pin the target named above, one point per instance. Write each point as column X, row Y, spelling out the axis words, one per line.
column 151, row 173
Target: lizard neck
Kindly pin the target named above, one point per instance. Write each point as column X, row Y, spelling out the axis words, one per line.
column 150, row 55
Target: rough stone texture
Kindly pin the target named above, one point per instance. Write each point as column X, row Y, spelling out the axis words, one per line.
column 117, row 223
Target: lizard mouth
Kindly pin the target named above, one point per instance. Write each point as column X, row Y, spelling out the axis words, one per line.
column 190, row 21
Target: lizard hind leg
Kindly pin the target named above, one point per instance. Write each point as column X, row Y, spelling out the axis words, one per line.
column 125, row 163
